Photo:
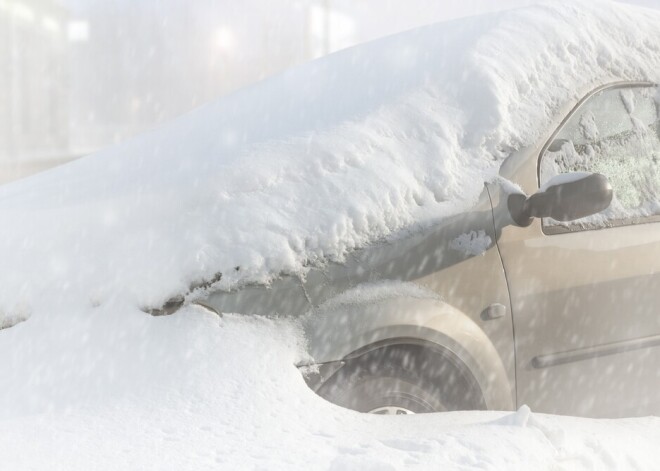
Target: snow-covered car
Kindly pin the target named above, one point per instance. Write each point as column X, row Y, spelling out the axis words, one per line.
column 537, row 299
column 463, row 216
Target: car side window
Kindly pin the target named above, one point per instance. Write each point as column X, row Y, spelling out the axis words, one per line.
column 614, row 132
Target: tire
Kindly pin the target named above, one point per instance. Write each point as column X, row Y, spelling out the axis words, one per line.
column 403, row 379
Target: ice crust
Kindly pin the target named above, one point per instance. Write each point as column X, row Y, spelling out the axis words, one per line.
column 291, row 172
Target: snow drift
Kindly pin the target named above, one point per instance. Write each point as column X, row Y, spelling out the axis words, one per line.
column 123, row 391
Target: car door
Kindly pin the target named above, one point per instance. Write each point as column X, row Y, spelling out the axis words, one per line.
column 585, row 294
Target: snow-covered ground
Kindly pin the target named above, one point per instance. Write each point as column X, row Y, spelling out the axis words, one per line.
column 299, row 169
column 115, row 389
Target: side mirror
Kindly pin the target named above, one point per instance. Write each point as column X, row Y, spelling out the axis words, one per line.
column 565, row 197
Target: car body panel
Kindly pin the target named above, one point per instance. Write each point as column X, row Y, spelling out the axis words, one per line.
column 585, row 309
column 285, row 295
column 357, row 327
column 466, row 282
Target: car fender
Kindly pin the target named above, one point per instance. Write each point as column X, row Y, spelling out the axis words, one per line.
column 340, row 329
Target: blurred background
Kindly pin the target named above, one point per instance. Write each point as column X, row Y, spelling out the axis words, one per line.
column 80, row 75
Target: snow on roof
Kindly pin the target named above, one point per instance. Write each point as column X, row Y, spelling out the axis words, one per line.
column 315, row 162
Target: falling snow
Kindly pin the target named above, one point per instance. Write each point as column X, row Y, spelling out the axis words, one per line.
column 302, row 168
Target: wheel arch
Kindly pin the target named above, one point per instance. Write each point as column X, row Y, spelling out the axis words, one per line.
column 340, row 332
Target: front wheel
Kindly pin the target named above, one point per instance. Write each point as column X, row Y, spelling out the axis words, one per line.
column 403, row 379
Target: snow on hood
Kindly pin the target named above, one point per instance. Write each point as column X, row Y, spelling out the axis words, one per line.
column 313, row 163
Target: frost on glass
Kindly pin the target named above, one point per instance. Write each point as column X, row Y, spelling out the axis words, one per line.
column 614, row 133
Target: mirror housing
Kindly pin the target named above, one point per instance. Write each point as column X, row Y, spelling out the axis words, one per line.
column 565, row 197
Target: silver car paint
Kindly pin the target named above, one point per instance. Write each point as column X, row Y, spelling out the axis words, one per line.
column 586, row 309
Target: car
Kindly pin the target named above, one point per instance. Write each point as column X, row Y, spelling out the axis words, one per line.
column 545, row 293
column 460, row 216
